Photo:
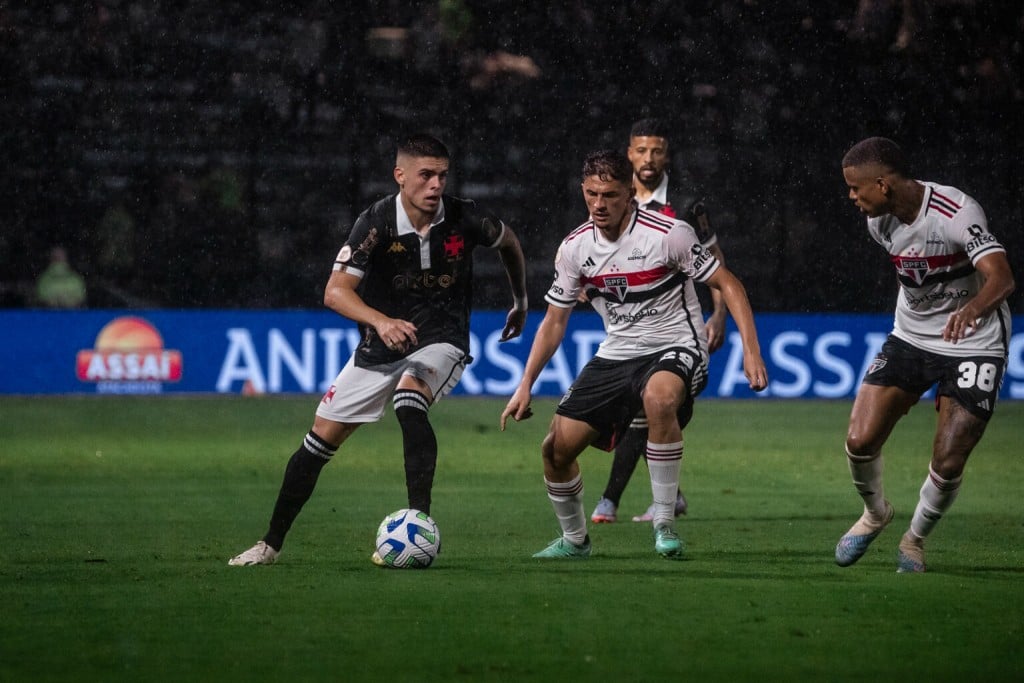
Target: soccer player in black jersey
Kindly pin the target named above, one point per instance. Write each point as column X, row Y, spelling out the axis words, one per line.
column 404, row 275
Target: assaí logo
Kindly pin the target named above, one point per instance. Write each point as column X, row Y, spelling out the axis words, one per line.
column 128, row 358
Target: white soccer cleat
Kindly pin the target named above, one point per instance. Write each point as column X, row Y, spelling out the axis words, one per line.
column 261, row 553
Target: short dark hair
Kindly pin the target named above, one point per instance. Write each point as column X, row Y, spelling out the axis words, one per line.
column 882, row 151
column 608, row 164
column 423, row 145
column 653, row 128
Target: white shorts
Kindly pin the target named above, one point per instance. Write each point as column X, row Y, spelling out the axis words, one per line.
column 359, row 395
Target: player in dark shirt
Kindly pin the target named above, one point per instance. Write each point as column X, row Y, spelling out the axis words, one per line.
column 404, row 275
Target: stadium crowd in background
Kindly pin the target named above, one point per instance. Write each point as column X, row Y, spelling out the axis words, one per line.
column 134, row 106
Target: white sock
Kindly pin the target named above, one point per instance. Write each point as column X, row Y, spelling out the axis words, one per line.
column 664, row 461
column 567, row 499
column 937, row 495
column 866, row 471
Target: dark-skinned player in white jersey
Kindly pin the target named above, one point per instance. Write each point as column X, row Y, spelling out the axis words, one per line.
column 648, row 151
column 404, row 275
column 638, row 269
column 951, row 331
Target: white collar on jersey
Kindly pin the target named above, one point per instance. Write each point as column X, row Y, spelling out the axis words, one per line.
column 659, row 195
column 405, row 225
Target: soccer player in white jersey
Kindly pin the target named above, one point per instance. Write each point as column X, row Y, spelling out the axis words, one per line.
column 648, row 151
column 405, row 276
column 638, row 269
column 951, row 331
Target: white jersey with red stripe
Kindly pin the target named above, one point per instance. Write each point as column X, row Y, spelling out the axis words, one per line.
column 934, row 259
column 641, row 284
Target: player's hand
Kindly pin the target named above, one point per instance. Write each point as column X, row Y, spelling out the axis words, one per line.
column 397, row 335
column 697, row 217
column 755, row 371
column 962, row 323
column 715, row 328
column 515, row 321
column 518, row 407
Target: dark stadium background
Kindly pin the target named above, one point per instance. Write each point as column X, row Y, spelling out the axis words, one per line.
column 212, row 154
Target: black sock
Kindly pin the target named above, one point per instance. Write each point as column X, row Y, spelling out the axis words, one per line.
column 420, row 447
column 299, row 480
column 627, row 454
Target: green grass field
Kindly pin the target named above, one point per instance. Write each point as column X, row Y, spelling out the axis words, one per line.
column 118, row 515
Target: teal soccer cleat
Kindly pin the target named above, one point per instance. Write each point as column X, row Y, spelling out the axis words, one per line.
column 667, row 542
column 563, row 549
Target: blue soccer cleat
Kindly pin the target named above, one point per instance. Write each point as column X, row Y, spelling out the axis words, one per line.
column 855, row 542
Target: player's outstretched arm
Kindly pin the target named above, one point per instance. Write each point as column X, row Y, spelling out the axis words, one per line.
column 739, row 306
column 715, row 325
column 511, row 253
column 549, row 336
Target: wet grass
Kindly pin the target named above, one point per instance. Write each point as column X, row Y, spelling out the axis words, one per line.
column 117, row 516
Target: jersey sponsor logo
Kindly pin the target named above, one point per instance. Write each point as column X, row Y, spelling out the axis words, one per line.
column 423, row 280
column 396, row 248
column 618, row 318
column 702, row 257
column 637, row 255
column 128, row 357
column 454, row 247
column 980, row 238
column 345, row 254
column 930, row 297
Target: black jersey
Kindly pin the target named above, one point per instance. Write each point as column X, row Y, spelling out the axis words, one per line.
column 426, row 280
column 672, row 204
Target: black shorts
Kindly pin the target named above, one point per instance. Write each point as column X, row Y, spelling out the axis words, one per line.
column 606, row 395
column 971, row 381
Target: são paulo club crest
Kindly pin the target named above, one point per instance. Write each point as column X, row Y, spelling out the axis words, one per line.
column 617, row 285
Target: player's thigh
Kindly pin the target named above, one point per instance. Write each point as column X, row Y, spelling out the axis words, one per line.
column 359, row 395
column 334, row 433
column 434, row 370
column 957, row 433
column 876, row 410
column 663, row 394
column 566, row 439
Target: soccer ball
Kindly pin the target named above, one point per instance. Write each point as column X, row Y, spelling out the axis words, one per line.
column 407, row 539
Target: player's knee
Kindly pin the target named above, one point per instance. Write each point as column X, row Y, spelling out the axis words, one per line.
column 661, row 406
column 554, row 456
column 860, row 448
column 949, row 468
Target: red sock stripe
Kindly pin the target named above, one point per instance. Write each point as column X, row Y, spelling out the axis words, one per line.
column 944, row 485
column 664, row 452
column 567, row 489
